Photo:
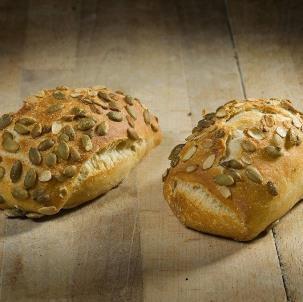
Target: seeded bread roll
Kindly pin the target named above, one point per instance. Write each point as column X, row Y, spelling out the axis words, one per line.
column 67, row 146
column 240, row 170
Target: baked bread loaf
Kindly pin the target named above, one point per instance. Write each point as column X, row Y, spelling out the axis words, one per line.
column 240, row 170
column 67, row 146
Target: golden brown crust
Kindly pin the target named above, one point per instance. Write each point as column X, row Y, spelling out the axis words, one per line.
column 56, row 135
column 244, row 160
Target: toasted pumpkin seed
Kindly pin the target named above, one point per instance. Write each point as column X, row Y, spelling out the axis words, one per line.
column 54, row 108
column 248, row 146
column 41, row 196
column 271, row 188
column 76, row 94
column 10, row 145
column 146, row 116
column 46, row 144
column 209, row 161
column 103, row 95
column 63, row 138
column 16, row 171
column 46, row 129
column 130, row 121
column 74, row 154
column 36, row 130
column 174, row 161
column 191, row 168
column 58, row 95
column 232, row 163
column 115, row 116
column 253, row 174
column 13, row 213
column 27, row 121
column 86, row 143
column 246, row 159
column 114, row 106
column 131, row 111
column 5, row 120
column 176, row 150
column 7, row 135
column 48, row 210
column 63, row 151
column 255, row 133
column 225, row 191
column 78, row 112
column 273, row 151
column 69, row 131
column 30, row 179
column 221, row 113
column 132, row 134
column 129, row 100
column 19, row 193
column 35, row 156
column 70, row 171
column 45, row 176
column 233, row 173
column 2, row 172
column 189, row 152
column 51, row 159
column 224, row 180
column 86, row 124
column 87, row 101
column 281, row 131
column 40, row 94
column 102, row 128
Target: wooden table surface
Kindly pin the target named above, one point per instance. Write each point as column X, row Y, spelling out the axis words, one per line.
column 178, row 57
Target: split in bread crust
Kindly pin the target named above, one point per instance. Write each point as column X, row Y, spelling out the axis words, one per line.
column 240, row 170
column 67, row 146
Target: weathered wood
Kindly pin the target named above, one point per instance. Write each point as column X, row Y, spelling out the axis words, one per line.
column 268, row 38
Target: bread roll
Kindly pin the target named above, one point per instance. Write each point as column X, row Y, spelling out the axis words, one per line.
column 67, row 146
column 240, row 170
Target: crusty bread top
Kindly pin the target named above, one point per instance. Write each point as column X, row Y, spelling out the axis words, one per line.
column 45, row 143
column 240, row 154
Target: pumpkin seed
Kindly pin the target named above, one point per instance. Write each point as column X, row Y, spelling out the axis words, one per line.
column 255, row 133
column 277, row 140
column 273, row 151
column 131, row 111
column 154, row 126
column 36, row 130
column 2, row 172
column 132, row 134
column 2, row 200
column 115, row 116
column 69, row 131
column 78, row 112
column 48, row 210
column 103, row 95
column 21, row 129
column 55, row 108
column 102, row 128
column 70, row 171
column 191, row 168
column 129, row 100
column 5, row 120
column 46, row 144
column 7, row 135
column 146, row 116
column 41, row 196
column 40, row 94
column 246, row 159
column 33, row 215
column 95, row 109
column 176, row 150
column 130, row 121
column 86, row 143
column 60, row 177
column 269, row 120
column 248, row 146
column 56, row 127
column 174, row 161
column 67, row 118
column 46, row 129
column 63, row 151
column 13, row 213
column 27, row 121
column 232, row 163
column 74, row 154
column 63, row 138
column 30, row 179
column 35, row 156
column 51, row 159
column 114, row 106
column 292, row 138
column 58, row 95
column 221, row 113
column 253, row 174
column 225, row 191
column 86, row 124
column 87, row 101
column 10, row 145
column 209, row 161
column 76, row 94
column 189, row 153
column 19, row 193
column 297, row 122
column 233, row 173
column 224, row 180
column 281, row 131
column 271, row 188
column 45, row 176
column 16, row 171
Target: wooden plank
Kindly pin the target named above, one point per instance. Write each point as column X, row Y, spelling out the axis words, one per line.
column 180, row 264
column 268, row 38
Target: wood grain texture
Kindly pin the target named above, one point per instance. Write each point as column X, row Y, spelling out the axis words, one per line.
column 177, row 57
column 268, row 38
